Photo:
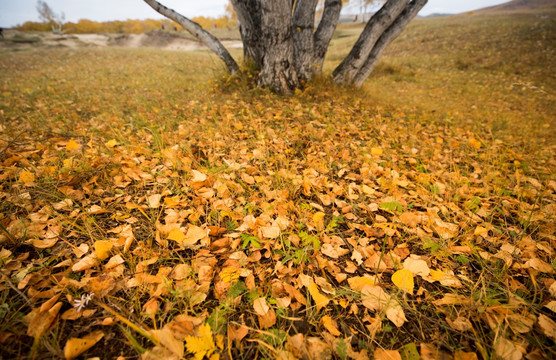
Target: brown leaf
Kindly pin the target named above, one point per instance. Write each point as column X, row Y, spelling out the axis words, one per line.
column 268, row 320
column 41, row 321
column 548, row 326
column 375, row 298
column 238, row 333
column 507, row 350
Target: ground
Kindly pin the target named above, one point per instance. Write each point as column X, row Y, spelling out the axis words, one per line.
column 150, row 205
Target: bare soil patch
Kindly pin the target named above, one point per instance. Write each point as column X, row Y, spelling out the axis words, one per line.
column 17, row 40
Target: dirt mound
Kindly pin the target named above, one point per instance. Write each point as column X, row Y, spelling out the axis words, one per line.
column 159, row 39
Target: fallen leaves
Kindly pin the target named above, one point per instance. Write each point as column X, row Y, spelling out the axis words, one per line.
column 261, row 214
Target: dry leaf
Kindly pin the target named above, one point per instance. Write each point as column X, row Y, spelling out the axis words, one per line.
column 198, row 176
column 194, row 234
column 169, row 341
column 270, row 232
column 403, row 279
column 76, row 346
column 41, row 321
column 86, row 263
column 416, row 266
column 319, row 299
column 177, row 235
column 330, row 325
column 72, row 145
column 381, row 354
column 201, row 345
column 375, row 298
column 111, row 143
column 153, row 201
column 102, row 249
column 507, row 350
column 26, row 177
column 357, row 283
column 548, row 326
column 260, row 306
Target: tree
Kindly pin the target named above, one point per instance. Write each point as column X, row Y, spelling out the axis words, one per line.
column 281, row 41
column 46, row 14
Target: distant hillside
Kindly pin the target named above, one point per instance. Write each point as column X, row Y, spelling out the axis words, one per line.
column 522, row 5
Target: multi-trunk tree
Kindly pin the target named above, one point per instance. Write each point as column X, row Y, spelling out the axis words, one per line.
column 283, row 42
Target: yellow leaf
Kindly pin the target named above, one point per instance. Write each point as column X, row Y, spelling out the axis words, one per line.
column 67, row 163
column 319, row 299
column 201, row 345
column 318, row 217
column 376, row 151
column 102, row 248
column 229, row 274
column 111, row 143
column 479, row 230
column 177, row 235
column 26, row 177
column 72, row 145
column 437, row 275
column 330, row 325
column 76, row 346
column 403, row 279
column 475, row 143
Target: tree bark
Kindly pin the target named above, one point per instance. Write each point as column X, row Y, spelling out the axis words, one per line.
column 387, row 37
column 348, row 68
column 303, row 40
column 278, row 67
column 195, row 29
column 249, row 17
column 325, row 30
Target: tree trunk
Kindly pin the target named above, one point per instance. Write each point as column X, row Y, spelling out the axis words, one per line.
column 278, row 67
column 280, row 41
column 195, row 29
column 249, row 16
column 387, row 37
column 348, row 68
column 325, row 30
column 303, row 40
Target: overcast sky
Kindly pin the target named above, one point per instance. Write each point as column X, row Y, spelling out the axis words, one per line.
column 14, row 12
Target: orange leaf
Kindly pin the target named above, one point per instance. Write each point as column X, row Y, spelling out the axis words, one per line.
column 77, row 346
column 330, row 325
column 102, row 249
column 26, row 177
column 72, row 145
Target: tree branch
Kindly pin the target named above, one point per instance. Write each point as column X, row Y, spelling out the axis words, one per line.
column 387, row 37
column 348, row 68
column 195, row 29
column 325, row 30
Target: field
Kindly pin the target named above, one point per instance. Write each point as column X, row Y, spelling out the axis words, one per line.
column 151, row 206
